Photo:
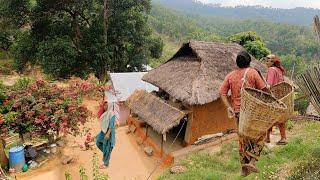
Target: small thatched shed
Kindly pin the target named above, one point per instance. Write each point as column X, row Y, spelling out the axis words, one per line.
column 154, row 111
column 193, row 76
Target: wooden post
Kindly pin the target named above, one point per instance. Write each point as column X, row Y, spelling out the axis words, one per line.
column 4, row 162
column 147, row 130
column 162, row 145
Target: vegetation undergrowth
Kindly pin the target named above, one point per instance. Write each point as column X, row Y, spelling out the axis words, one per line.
column 6, row 66
column 298, row 159
column 96, row 175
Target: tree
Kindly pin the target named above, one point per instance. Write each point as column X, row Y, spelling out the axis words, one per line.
column 252, row 43
column 23, row 51
column 80, row 37
column 156, row 47
column 13, row 15
column 5, row 41
column 62, row 64
column 257, row 48
column 244, row 37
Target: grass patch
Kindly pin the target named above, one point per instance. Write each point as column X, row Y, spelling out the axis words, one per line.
column 6, row 66
column 280, row 162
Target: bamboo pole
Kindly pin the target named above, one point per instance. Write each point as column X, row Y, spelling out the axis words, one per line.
column 309, row 83
column 316, row 25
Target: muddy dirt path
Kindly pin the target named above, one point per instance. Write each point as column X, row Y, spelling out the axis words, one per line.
column 128, row 161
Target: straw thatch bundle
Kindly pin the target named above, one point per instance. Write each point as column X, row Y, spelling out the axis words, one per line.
column 309, row 83
column 154, row 111
column 194, row 74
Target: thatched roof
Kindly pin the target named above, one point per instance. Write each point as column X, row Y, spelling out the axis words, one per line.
column 154, row 111
column 194, row 74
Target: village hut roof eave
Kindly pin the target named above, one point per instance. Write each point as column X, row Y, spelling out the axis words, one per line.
column 187, row 100
column 155, row 112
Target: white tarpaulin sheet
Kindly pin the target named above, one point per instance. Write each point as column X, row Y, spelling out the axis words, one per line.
column 125, row 84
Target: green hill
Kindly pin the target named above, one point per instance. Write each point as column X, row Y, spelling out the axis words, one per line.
column 296, row 16
column 296, row 44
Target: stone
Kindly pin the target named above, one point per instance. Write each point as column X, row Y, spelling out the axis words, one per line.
column 91, row 144
column 12, row 170
column 53, row 145
column 60, row 143
column 54, row 150
column 66, row 160
column 33, row 165
column 148, row 150
column 178, row 169
column 46, row 151
column 139, row 141
column 40, row 158
column 132, row 129
column 26, row 136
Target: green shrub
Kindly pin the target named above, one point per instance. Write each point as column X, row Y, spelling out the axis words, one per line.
column 6, row 67
column 244, row 37
column 58, row 57
column 22, row 83
column 257, row 48
column 23, row 52
column 2, row 93
column 301, row 104
column 3, row 55
column 252, row 43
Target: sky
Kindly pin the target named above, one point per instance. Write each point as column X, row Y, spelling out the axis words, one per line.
column 287, row 4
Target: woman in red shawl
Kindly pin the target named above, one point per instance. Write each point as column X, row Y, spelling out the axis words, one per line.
column 275, row 75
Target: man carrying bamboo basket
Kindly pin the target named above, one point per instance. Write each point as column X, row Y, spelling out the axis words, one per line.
column 243, row 76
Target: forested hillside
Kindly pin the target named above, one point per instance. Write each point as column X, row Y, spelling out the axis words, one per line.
column 297, row 16
column 140, row 34
column 295, row 44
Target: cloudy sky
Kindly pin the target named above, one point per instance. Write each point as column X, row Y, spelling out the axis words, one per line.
column 273, row 3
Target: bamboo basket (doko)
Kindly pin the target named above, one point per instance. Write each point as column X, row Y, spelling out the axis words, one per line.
column 258, row 112
column 284, row 92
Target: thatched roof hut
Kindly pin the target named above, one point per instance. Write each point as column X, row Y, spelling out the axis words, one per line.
column 194, row 74
column 154, row 111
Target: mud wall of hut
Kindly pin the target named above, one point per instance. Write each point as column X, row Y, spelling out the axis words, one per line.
column 208, row 119
column 124, row 114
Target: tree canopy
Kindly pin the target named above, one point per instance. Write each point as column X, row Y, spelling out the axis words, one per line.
column 67, row 37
